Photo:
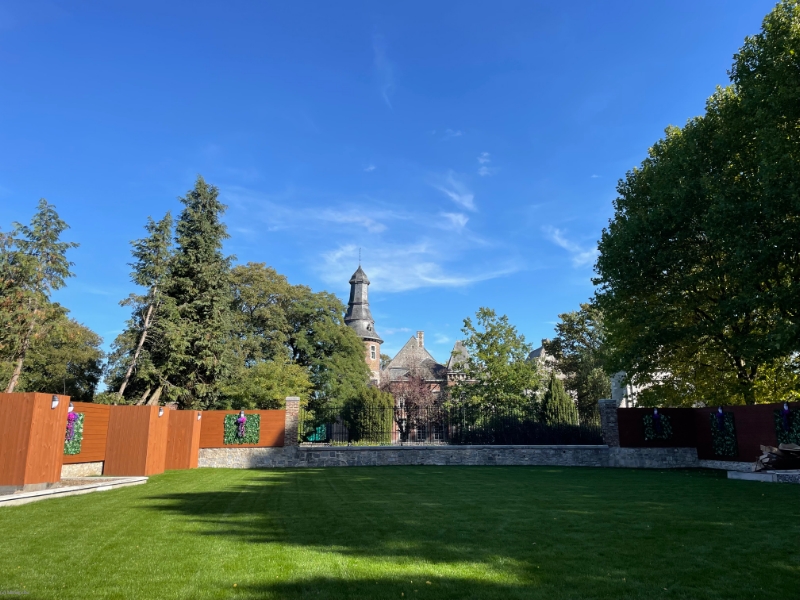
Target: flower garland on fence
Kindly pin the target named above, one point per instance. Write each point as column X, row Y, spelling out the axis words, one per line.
column 74, row 433
column 787, row 425
column 657, row 427
column 723, row 433
column 242, row 429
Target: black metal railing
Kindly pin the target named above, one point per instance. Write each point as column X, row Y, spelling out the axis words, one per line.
column 451, row 425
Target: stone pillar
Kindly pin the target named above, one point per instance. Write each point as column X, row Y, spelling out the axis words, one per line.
column 291, row 423
column 608, row 422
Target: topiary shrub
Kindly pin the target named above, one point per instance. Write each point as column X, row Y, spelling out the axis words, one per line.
column 246, row 432
column 723, row 434
column 369, row 417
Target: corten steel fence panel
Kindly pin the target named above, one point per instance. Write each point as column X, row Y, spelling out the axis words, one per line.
column 450, row 426
column 95, row 433
column 631, row 428
column 271, row 428
column 31, row 438
column 754, row 426
column 183, row 439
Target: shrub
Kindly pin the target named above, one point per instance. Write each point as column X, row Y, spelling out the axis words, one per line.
column 369, row 416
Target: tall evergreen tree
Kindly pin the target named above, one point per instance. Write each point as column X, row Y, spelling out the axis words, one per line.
column 197, row 317
column 152, row 257
column 557, row 407
column 33, row 264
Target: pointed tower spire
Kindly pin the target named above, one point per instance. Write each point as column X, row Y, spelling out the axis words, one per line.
column 359, row 318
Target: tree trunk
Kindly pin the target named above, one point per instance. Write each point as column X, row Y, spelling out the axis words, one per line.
column 143, row 399
column 138, row 351
column 23, row 351
column 155, row 397
column 747, row 379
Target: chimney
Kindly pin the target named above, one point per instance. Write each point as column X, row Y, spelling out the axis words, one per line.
column 421, row 339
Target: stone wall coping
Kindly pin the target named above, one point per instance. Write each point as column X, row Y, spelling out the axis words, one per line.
column 464, row 447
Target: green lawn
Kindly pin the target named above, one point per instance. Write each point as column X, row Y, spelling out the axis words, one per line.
column 411, row 532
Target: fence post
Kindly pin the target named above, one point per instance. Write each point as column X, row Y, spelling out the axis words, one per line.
column 608, row 422
column 291, row 421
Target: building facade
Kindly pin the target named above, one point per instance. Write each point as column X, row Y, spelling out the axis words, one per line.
column 413, row 360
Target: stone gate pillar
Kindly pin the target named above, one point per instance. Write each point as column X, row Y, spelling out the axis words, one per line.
column 291, row 423
column 608, row 422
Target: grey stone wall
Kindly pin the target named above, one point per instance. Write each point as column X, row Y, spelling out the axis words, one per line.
column 608, row 422
column 564, row 456
column 82, row 470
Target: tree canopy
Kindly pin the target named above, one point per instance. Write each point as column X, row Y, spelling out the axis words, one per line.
column 699, row 269
column 498, row 372
column 577, row 350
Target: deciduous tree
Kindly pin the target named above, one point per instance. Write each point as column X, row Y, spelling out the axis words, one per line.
column 497, row 370
column 699, row 270
column 578, row 350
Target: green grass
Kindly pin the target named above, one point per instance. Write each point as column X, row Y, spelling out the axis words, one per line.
column 412, row 533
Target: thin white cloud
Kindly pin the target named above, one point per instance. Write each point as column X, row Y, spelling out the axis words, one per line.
column 394, row 268
column 580, row 256
column 440, row 338
column 455, row 221
column 369, row 168
column 394, row 330
column 355, row 217
column 457, row 191
column 383, row 69
column 484, row 160
column 595, row 176
column 452, row 133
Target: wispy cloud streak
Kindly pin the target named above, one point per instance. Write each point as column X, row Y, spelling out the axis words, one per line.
column 581, row 256
column 457, row 191
column 383, row 69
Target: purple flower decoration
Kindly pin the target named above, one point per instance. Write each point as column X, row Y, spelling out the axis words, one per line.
column 720, row 419
column 241, row 421
column 785, row 416
column 71, row 418
column 657, row 422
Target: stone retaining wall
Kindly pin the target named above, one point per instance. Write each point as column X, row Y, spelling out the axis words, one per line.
column 352, row 456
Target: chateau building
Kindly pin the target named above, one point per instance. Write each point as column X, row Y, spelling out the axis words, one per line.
column 413, row 358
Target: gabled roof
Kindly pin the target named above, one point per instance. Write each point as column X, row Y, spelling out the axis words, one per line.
column 459, row 355
column 413, row 358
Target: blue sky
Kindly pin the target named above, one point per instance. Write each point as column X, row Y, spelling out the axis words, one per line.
column 471, row 150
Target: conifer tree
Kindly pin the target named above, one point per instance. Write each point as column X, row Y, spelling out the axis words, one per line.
column 197, row 317
column 150, row 270
column 557, row 407
column 33, row 264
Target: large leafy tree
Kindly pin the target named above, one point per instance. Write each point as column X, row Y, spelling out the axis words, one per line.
column 131, row 349
column 67, row 359
column 497, row 371
column 292, row 325
column 196, row 318
column 578, row 350
column 699, row 268
column 33, row 264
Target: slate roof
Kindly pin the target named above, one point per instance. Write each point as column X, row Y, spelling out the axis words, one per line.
column 413, row 358
column 358, row 316
column 458, row 355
